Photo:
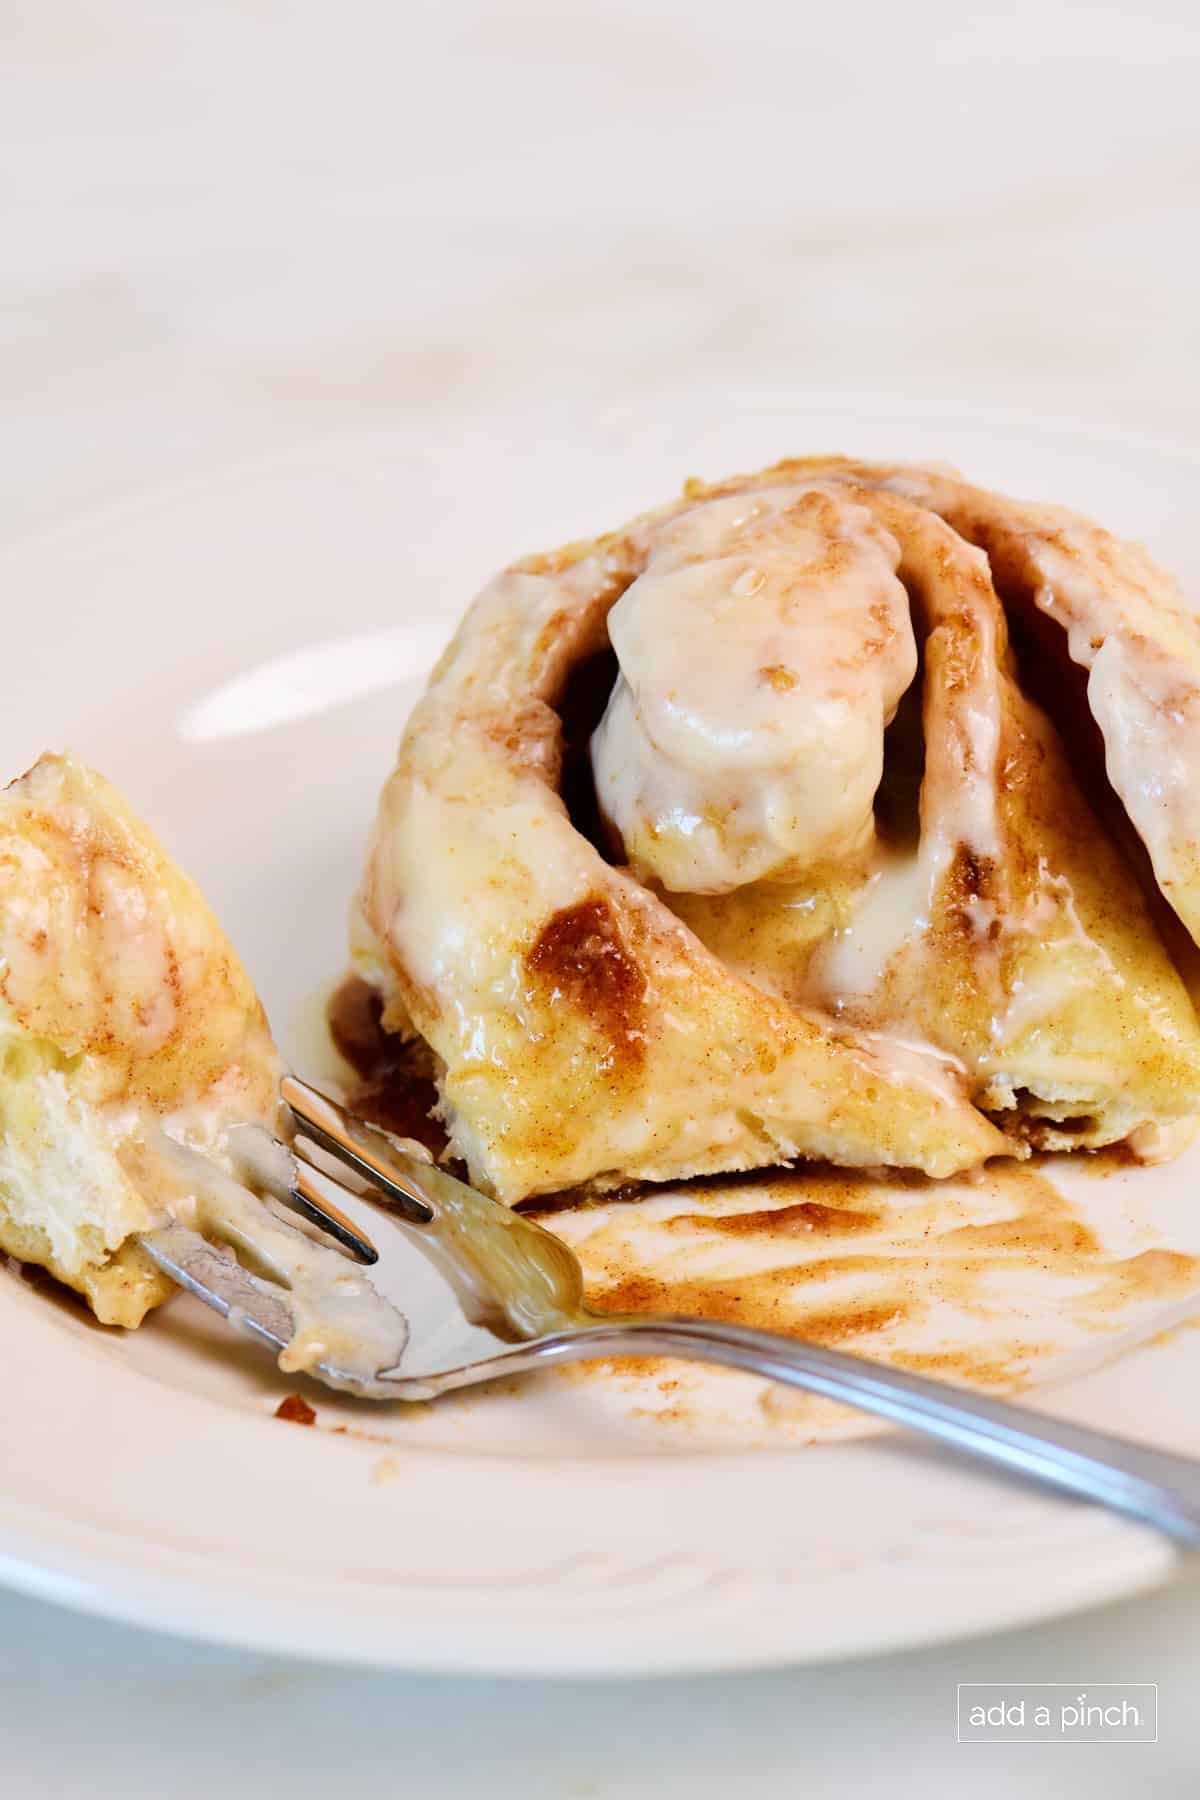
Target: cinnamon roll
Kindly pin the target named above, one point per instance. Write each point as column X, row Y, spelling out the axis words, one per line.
column 743, row 834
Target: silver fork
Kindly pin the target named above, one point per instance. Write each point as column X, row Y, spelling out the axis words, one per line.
column 526, row 1287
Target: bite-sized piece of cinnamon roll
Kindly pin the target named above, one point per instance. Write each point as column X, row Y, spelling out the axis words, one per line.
column 124, row 1016
column 817, row 903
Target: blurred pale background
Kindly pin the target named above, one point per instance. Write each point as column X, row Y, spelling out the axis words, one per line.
column 230, row 226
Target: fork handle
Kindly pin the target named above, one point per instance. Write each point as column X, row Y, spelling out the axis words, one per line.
column 1155, row 1486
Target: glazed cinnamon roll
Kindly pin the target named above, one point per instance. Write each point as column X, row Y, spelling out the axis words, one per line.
column 742, row 835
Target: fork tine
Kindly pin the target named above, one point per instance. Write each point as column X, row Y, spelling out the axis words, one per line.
column 257, row 1308
column 271, row 1168
column 306, row 1198
column 217, row 1278
column 326, row 1124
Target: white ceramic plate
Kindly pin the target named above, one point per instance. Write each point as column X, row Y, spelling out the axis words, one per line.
column 237, row 654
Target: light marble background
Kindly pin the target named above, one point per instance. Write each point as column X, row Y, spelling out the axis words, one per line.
column 225, row 227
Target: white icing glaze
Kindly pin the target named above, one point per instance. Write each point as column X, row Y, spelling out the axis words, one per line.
column 958, row 808
column 763, row 649
column 1130, row 627
column 339, row 1318
column 1156, row 1143
column 1127, row 624
column 891, row 909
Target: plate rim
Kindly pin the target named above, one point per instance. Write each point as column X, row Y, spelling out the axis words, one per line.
column 39, row 1560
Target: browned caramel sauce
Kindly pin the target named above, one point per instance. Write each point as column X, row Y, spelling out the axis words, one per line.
column 395, row 1088
column 780, row 1221
column 881, row 1264
column 581, row 956
column 296, row 1410
column 1112, row 1159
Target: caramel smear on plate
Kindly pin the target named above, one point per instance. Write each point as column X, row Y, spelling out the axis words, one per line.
column 997, row 1283
column 1002, row 1281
